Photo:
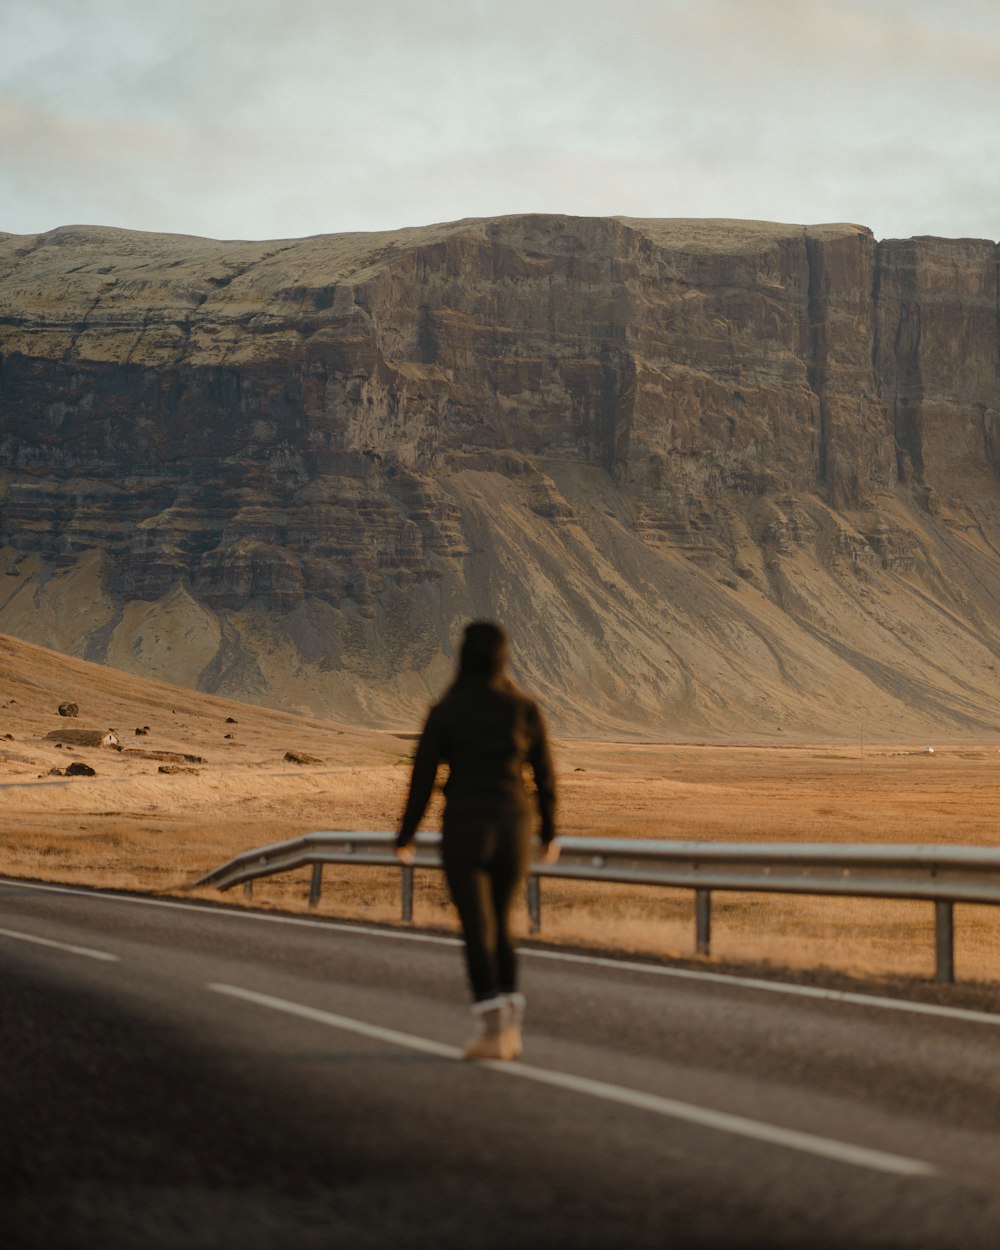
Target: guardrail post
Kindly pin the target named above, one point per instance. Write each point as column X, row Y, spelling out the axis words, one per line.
column 316, row 885
column 702, row 921
column 533, row 893
column 407, row 888
column 944, row 941
column 248, row 889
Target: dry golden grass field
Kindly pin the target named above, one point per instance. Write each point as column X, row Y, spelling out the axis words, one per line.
column 133, row 827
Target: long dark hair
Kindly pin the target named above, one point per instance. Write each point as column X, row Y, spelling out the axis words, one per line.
column 484, row 652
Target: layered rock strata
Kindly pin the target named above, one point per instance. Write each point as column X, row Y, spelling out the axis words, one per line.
column 717, row 476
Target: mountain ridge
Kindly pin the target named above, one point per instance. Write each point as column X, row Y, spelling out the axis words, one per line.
column 708, row 472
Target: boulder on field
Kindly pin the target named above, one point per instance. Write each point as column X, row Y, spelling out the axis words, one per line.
column 300, row 757
column 69, row 709
column 79, row 769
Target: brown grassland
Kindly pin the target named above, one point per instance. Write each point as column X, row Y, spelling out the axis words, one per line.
column 135, row 828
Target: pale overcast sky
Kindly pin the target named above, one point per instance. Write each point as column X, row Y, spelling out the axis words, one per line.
column 280, row 118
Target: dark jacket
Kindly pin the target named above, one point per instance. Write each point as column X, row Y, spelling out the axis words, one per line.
column 486, row 730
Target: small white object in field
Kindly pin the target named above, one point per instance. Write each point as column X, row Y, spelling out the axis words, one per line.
column 928, row 750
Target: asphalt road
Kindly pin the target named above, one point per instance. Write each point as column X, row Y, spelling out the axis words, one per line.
column 180, row 1075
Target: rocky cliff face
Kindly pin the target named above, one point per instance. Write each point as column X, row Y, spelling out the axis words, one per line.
column 716, row 476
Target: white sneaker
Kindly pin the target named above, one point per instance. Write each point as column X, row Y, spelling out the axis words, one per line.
column 492, row 1041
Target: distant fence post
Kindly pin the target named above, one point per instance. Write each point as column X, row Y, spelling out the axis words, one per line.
column 702, row 921
column 316, row 884
column 533, row 892
column 407, row 889
column 944, row 941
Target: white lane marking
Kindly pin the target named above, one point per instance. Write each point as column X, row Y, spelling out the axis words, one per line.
column 595, row 961
column 235, row 913
column 350, row 1025
column 722, row 1121
column 59, row 946
column 776, row 987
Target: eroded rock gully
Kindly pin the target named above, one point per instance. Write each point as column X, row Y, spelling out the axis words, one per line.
column 717, row 476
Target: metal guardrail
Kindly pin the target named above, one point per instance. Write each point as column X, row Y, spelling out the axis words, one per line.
column 944, row 875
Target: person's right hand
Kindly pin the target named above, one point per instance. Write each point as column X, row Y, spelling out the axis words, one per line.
column 548, row 854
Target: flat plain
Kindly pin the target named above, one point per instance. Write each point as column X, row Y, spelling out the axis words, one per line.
column 134, row 827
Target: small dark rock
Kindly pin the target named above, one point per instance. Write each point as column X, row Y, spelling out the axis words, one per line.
column 57, row 772
column 8, row 737
column 231, row 720
column 79, row 769
column 300, row 757
column 229, row 735
column 141, row 733
column 69, row 709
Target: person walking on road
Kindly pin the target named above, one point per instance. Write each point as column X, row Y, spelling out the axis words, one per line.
column 486, row 730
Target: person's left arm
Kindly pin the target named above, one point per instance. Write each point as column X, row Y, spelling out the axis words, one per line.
column 540, row 759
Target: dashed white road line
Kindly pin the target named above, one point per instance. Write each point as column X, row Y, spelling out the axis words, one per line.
column 60, row 946
column 594, row 961
column 375, row 1031
column 704, row 1117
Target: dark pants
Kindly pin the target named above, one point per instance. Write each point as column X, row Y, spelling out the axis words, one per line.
column 486, row 850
